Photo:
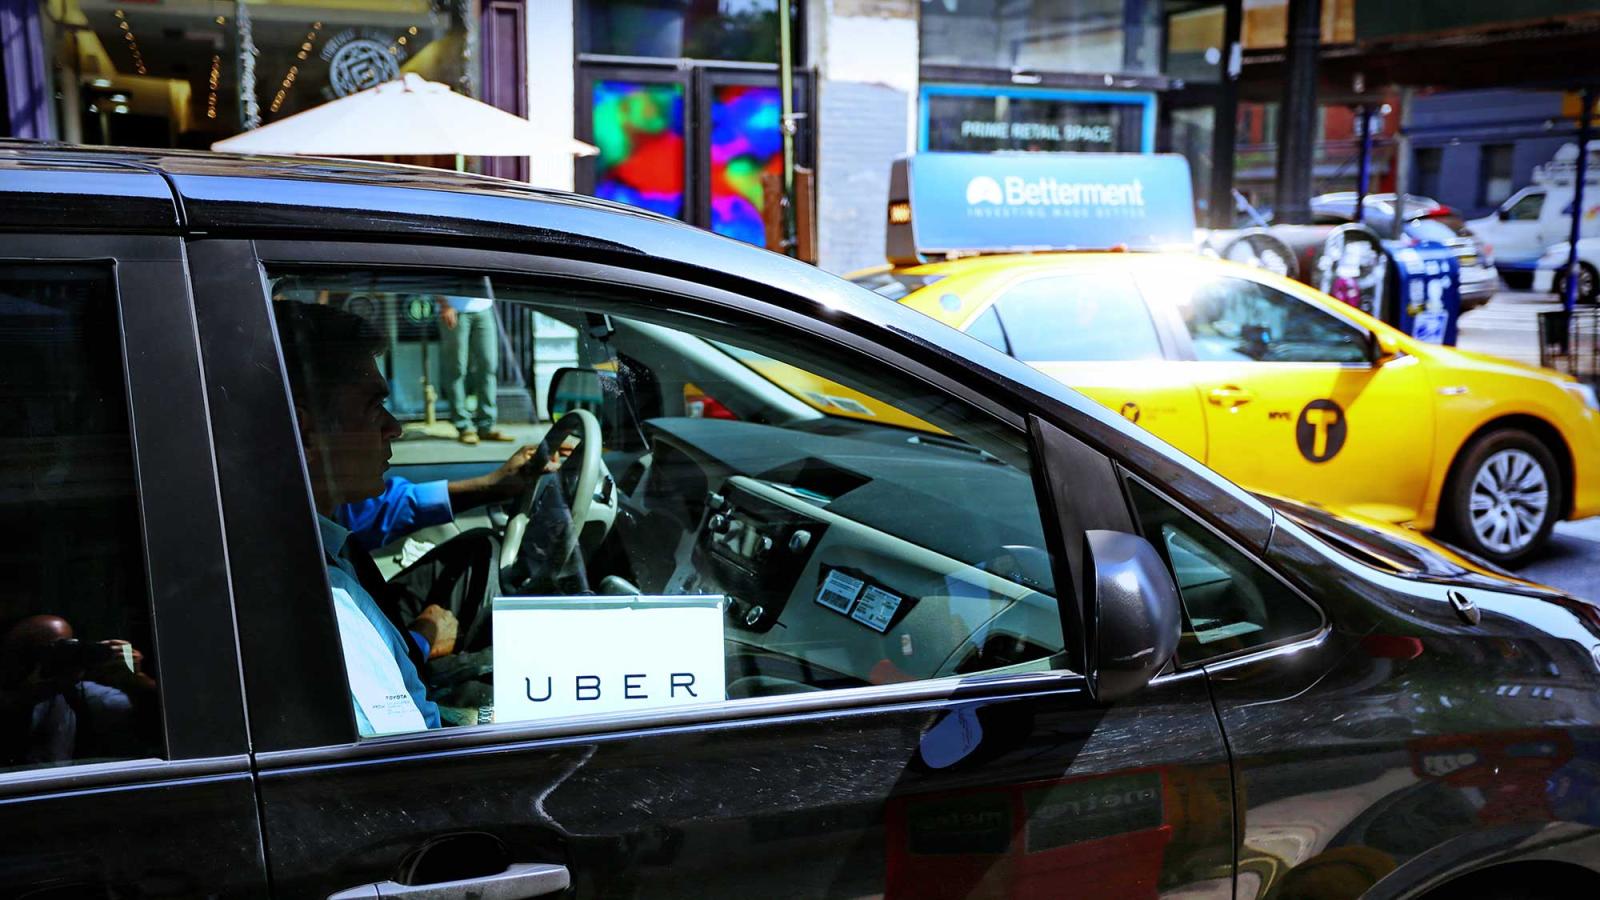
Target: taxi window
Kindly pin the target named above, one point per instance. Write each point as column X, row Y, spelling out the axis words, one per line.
column 1090, row 316
column 1235, row 319
column 1229, row 602
column 987, row 328
column 695, row 513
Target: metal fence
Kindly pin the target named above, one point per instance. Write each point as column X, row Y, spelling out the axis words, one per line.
column 1570, row 342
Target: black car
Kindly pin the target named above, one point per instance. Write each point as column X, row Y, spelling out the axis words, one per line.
column 825, row 599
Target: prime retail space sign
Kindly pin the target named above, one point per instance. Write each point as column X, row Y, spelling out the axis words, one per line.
column 944, row 204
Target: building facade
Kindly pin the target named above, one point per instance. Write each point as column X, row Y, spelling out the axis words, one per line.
column 681, row 97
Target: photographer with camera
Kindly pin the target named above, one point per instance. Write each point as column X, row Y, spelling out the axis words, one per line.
column 62, row 699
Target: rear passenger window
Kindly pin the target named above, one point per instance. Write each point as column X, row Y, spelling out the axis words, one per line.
column 1092, row 316
column 691, row 512
column 1229, row 602
column 76, row 657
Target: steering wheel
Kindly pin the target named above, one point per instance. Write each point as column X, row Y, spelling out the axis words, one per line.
column 576, row 479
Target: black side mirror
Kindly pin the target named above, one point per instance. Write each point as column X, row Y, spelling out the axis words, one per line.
column 1134, row 614
column 1502, row 214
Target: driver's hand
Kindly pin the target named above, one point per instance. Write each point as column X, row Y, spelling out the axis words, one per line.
column 438, row 626
column 515, row 475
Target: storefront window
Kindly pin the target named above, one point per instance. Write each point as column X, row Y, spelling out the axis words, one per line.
column 746, row 143
column 187, row 73
column 1042, row 35
column 1195, row 44
column 981, row 120
column 640, row 130
column 744, row 30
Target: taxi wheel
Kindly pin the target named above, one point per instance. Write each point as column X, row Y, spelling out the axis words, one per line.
column 1503, row 497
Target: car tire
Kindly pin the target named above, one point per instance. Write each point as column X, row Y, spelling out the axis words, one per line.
column 1496, row 472
column 1517, row 281
column 1588, row 284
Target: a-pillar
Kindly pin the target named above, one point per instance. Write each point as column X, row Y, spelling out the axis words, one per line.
column 1297, row 120
column 866, row 56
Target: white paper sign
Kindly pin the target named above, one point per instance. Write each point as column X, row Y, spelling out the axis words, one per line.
column 575, row 656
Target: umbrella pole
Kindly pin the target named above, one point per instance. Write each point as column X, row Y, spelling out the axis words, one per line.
column 461, row 162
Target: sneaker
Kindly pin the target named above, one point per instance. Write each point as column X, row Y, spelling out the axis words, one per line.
column 468, row 437
column 490, row 434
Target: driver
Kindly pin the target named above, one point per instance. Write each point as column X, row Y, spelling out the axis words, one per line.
column 345, row 432
column 405, row 506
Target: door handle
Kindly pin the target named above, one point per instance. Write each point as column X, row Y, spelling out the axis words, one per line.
column 1229, row 396
column 515, row 883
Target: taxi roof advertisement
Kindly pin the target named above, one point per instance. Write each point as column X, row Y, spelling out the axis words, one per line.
column 962, row 203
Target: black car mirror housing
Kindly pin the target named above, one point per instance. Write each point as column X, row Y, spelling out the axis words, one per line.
column 1134, row 613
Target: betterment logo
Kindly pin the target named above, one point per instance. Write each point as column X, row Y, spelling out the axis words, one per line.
column 1047, row 197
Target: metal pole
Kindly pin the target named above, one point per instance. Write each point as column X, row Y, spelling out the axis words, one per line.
column 786, row 87
column 1364, row 176
column 1570, row 295
column 1225, row 122
column 1297, row 122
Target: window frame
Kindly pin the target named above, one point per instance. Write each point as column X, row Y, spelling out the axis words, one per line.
column 1169, row 312
column 301, row 721
column 180, row 528
column 1259, row 560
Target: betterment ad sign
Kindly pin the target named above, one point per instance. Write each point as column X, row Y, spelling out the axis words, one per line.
column 574, row 656
column 975, row 202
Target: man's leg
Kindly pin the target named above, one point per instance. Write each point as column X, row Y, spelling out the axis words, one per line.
column 485, row 344
column 453, row 347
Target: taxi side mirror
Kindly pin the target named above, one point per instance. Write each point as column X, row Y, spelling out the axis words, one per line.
column 1134, row 614
column 1384, row 348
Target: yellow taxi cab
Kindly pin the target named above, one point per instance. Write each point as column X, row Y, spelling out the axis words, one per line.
column 1284, row 389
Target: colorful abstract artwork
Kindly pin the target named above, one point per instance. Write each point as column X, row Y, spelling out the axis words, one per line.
column 746, row 143
column 639, row 128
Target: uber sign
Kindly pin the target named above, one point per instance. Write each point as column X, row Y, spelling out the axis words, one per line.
column 564, row 656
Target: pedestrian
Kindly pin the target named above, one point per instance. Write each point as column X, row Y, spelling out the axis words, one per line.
column 471, row 341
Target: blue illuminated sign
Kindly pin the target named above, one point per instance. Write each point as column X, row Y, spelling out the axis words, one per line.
column 998, row 202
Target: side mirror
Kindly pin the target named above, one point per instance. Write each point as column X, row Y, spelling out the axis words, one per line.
column 1502, row 214
column 1384, row 348
column 1134, row 614
column 571, row 389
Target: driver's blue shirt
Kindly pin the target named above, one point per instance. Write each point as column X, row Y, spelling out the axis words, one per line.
column 346, row 587
column 402, row 508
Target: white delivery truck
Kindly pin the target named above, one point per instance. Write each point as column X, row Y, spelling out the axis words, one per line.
column 1530, row 231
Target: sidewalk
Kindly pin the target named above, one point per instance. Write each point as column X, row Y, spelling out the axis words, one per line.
column 1507, row 326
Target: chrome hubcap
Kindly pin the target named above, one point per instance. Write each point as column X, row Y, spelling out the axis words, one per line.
column 1510, row 499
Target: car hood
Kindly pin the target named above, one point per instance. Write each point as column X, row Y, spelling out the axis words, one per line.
column 1484, row 362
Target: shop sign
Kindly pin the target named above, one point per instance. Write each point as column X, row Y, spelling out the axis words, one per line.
column 1068, row 133
column 361, row 58
column 944, row 203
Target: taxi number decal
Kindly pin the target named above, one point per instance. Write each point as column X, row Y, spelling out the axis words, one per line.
column 1321, row 430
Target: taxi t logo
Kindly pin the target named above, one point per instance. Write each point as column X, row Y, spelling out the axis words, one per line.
column 1321, row 430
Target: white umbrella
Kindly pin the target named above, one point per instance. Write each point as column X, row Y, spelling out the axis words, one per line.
column 409, row 117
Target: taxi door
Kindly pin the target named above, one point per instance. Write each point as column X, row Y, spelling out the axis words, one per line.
column 1294, row 402
column 1089, row 328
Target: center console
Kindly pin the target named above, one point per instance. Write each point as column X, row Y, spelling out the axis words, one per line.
column 753, row 551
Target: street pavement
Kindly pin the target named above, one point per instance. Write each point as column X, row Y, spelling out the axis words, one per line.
column 1508, row 326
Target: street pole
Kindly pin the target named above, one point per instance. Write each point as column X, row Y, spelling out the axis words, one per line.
column 1297, row 126
column 1569, row 299
column 1225, row 123
column 787, row 123
column 1364, row 176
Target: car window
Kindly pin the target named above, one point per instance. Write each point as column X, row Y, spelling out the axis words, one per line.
column 1230, row 603
column 1527, row 208
column 1430, row 229
column 1232, row 319
column 76, row 655
column 1087, row 316
column 714, row 513
column 986, row 328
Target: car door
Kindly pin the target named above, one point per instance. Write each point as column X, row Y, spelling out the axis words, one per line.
column 1089, row 327
column 904, row 722
column 124, row 768
column 1294, row 403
